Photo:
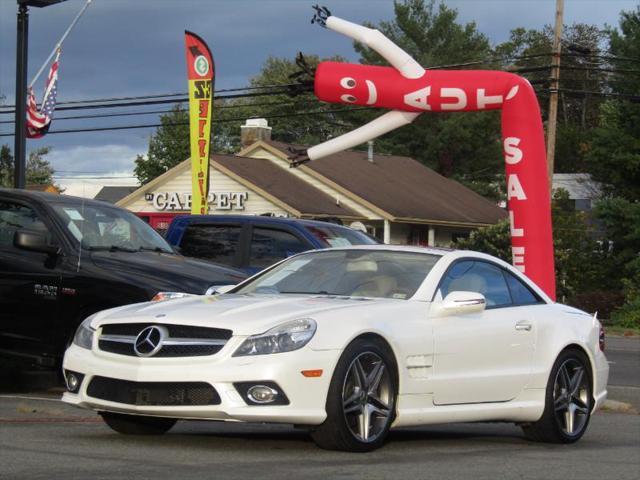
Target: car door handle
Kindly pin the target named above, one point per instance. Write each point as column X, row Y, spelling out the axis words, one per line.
column 526, row 326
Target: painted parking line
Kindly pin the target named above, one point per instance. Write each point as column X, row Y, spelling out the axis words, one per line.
column 28, row 397
column 50, row 420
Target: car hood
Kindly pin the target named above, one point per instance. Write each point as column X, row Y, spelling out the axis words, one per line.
column 167, row 271
column 243, row 314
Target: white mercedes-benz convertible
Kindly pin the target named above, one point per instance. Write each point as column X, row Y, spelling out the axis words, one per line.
column 349, row 342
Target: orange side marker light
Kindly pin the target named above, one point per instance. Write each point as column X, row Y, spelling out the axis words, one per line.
column 312, row 373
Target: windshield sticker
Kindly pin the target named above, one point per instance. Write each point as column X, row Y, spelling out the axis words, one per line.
column 75, row 230
column 73, row 214
column 338, row 242
column 292, row 266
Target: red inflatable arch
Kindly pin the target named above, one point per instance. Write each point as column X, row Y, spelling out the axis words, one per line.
column 409, row 90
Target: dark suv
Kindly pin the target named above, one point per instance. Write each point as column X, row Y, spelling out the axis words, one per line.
column 252, row 243
column 63, row 258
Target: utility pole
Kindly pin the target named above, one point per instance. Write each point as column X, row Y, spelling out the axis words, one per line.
column 552, row 122
column 22, row 44
column 19, row 153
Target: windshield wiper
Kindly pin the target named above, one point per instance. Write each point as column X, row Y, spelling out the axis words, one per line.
column 321, row 292
column 111, row 248
column 154, row 249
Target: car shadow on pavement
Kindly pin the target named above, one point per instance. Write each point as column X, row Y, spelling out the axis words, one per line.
column 234, row 436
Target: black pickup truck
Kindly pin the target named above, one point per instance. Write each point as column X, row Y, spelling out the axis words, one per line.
column 63, row 258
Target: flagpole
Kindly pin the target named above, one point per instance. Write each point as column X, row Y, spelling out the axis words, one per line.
column 59, row 44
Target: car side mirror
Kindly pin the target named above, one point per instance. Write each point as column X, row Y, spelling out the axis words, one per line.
column 462, row 302
column 34, row 242
column 219, row 289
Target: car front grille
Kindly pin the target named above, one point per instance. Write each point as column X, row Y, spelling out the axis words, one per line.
column 153, row 393
column 177, row 340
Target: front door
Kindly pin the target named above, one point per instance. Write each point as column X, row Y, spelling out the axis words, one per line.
column 29, row 286
column 487, row 356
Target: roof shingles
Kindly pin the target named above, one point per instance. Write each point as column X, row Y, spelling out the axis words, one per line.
column 404, row 188
column 286, row 187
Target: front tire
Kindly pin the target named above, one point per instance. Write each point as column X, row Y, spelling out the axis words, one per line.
column 137, row 424
column 568, row 401
column 361, row 401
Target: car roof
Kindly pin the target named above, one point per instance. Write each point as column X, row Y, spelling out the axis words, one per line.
column 398, row 248
column 52, row 197
column 261, row 219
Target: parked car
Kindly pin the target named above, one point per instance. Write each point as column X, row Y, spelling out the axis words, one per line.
column 252, row 243
column 64, row 258
column 349, row 342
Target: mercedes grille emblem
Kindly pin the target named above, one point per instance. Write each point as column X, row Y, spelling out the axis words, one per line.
column 149, row 341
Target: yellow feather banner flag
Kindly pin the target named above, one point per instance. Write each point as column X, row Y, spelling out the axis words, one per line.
column 201, row 77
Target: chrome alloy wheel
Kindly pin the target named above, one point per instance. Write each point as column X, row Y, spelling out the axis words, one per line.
column 571, row 397
column 367, row 397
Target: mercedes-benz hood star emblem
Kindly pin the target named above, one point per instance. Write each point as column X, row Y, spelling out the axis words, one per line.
column 149, row 341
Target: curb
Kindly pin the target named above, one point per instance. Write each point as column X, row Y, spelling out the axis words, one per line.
column 619, row 407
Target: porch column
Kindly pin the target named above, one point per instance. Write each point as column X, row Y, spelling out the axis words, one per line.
column 387, row 232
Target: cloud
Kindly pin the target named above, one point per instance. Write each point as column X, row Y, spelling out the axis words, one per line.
column 94, row 160
column 89, row 187
column 83, row 171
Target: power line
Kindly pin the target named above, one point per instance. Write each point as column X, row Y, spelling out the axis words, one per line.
column 172, row 124
column 153, row 112
column 182, row 97
column 181, row 94
column 282, row 89
column 631, row 97
column 156, row 102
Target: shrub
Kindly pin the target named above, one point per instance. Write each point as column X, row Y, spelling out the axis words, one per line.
column 602, row 301
column 629, row 315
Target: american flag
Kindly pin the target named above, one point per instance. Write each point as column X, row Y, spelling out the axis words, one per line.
column 38, row 121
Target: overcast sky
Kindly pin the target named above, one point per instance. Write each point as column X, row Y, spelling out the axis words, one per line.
column 127, row 48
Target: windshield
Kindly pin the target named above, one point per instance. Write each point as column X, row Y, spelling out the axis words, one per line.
column 106, row 228
column 357, row 273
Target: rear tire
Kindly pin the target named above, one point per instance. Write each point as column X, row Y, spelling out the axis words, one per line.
column 361, row 401
column 568, row 401
column 137, row 424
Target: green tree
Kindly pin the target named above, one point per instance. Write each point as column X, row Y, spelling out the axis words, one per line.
column 493, row 240
column 38, row 169
column 6, row 167
column 168, row 146
column 465, row 146
column 581, row 70
column 278, row 109
column 615, row 162
column 614, row 159
column 580, row 260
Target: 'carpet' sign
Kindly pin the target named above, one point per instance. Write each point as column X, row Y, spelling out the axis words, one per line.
column 176, row 201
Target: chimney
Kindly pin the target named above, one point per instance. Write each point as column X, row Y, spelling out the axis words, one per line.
column 370, row 151
column 253, row 130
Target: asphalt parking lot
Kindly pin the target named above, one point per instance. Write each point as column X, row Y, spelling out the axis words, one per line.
column 45, row 439
column 42, row 438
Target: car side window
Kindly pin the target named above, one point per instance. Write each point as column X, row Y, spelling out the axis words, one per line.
column 520, row 293
column 269, row 246
column 13, row 217
column 217, row 243
column 481, row 277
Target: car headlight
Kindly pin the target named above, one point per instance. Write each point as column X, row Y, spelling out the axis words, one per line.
column 84, row 334
column 169, row 296
column 283, row 338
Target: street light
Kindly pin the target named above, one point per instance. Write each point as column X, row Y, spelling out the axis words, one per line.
column 21, row 85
